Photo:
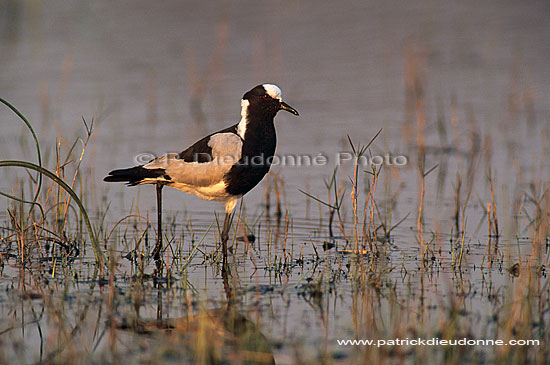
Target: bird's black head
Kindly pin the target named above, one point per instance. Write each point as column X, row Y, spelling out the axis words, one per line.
column 266, row 100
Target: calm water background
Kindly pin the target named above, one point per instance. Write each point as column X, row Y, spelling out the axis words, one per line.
column 156, row 77
column 135, row 67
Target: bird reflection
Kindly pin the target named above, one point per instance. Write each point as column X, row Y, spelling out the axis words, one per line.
column 212, row 336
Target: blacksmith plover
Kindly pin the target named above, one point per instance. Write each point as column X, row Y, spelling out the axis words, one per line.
column 222, row 166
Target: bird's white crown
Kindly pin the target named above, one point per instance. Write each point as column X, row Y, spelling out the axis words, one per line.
column 273, row 91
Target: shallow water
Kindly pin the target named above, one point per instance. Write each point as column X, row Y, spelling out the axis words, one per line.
column 157, row 78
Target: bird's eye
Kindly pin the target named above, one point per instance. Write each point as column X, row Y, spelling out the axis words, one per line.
column 266, row 97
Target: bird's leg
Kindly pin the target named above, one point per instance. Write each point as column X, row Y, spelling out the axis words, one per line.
column 158, row 246
column 225, row 233
column 229, row 206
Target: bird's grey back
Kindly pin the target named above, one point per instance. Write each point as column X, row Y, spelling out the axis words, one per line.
column 226, row 151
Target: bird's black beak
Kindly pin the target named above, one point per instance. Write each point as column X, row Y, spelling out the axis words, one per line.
column 288, row 108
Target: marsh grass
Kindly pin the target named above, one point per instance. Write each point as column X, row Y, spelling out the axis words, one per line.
column 62, row 203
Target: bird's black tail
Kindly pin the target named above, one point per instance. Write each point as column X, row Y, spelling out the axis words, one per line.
column 134, row 175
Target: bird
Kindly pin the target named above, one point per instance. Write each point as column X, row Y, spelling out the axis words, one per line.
column 222, row 166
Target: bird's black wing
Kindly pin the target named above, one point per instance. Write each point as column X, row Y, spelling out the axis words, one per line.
column 198, row 165
column 201, row 151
